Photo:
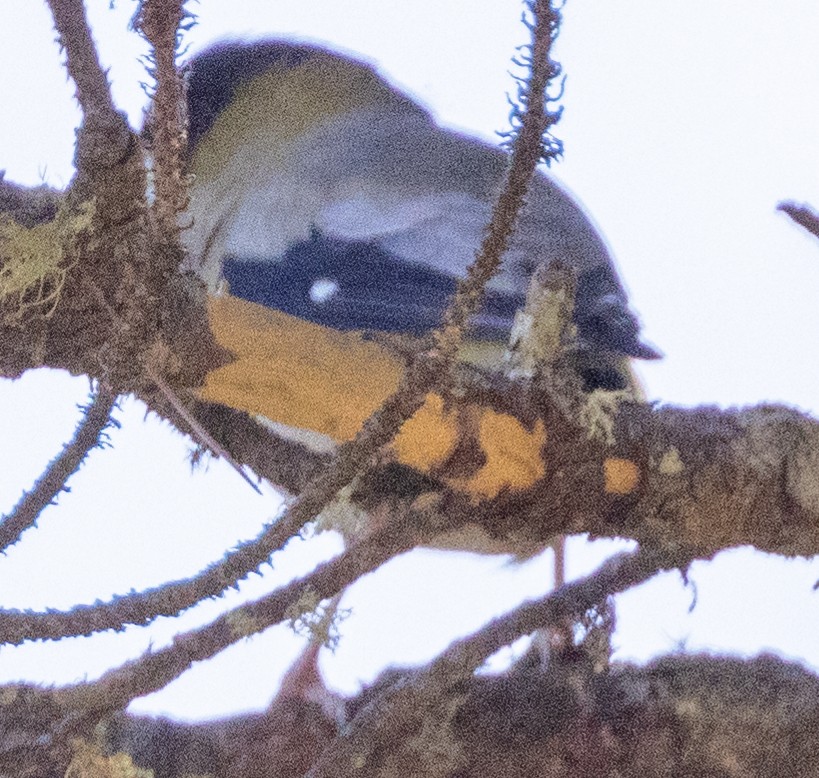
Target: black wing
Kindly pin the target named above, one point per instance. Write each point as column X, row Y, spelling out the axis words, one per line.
column 360, row 285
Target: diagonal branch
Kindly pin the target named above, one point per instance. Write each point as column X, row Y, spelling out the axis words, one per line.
column 82, row 62
column 404, row 707
column 62, row 467
column 104, row 138
column 353, row 457
column 527, row 150
column 115, row 689
column 803, row 215
column 571, row 600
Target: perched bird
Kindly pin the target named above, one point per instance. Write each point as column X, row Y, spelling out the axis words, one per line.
column 327, row 196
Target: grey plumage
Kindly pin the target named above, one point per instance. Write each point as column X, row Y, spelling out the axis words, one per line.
column 323, row 191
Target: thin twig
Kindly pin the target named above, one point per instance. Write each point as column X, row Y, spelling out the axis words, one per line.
column 170, row 599
column 560, row 562
column 62, row 467
column 618, row 573
column 527, row 150
column 199, row 433
column 401, row 709
column 82, row 62
column 151, row 672
column 197, row 429
column 104, row 138
column 802, row 214
column 160, row 21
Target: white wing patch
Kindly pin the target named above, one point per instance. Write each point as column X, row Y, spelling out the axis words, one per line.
column 323, row 290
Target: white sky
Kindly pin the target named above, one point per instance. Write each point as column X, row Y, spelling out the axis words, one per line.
column 684, row 125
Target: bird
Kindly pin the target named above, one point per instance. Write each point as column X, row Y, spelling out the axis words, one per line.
column 328, row 209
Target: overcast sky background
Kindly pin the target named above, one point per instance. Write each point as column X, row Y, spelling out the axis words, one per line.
column 684, row 125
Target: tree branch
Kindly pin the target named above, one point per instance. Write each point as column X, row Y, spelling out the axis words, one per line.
column 82, row 62
column 62, row 467
column 403, row 710
column 693, row 715
column 28, row 206
column 802, row 214
column 527, row 150
column 116, row 688
column 160, row 21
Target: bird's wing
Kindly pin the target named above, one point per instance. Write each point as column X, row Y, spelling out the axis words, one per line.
column 355, row 228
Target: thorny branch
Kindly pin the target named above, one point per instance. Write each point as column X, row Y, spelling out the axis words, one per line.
column 62, row 467
column 104, row 139
column 115, row 689
column 756, row 467
column 82, row 62
column 527, row 150
column 160, row 21
column 425, row 373
column 569, row 601
column 76, row 707
column 403, row 708
column 169, row 599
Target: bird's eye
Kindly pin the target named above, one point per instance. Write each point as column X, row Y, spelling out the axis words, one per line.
column 323, row 290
